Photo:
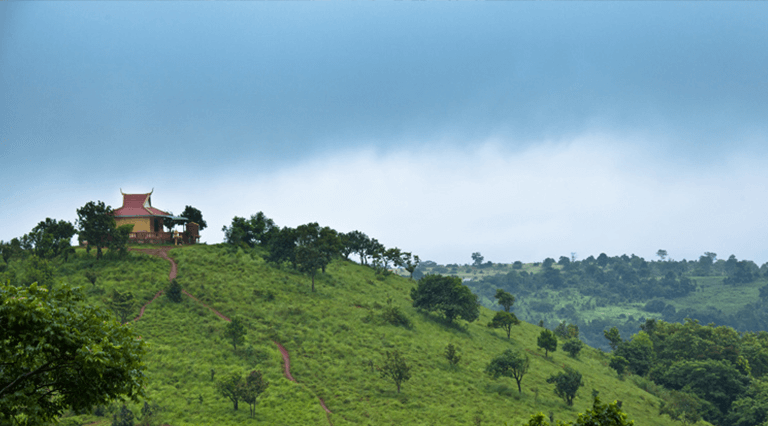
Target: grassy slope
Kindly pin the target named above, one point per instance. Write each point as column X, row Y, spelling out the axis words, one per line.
column 331, row 342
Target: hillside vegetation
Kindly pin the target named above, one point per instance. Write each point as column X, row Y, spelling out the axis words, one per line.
column 337, row 339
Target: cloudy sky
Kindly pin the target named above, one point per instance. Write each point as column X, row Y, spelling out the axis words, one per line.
column 522, row 130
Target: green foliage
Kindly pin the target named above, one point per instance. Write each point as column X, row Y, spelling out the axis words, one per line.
column 96, row 225
column 684, row 407
column 254, row 386
column 61, row 353
column 124, row 417
column 446, row 295
column 504, row 299
column 567, row 384
column 174, row 291
column 547, row 341
column 613, row 336
column 38, row 270
column 620, row 364
column 603, row 415
column 639, row 352
column 452, row 355
column 505, row 321
column 194, row 215
column 231, row 388
column 573, row 346
column 511, row 363
column 395, row 368
column 567, row 331
column 393, row 315
column 118, row 243
column 234, row 331
column 122, row 303
column 51, row 238
column 252, row 232
column 91, row 276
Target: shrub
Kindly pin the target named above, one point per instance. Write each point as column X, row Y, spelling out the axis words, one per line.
column 174, row 291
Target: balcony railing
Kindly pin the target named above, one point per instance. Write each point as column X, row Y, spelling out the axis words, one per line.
column 162, row 238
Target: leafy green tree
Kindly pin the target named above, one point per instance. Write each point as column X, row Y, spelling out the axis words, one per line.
column 396, row 368
column 91, row 276
column 620, row 364
column 452, row 355
column 446, row 295
column 174, row 291
column 51, row 238
column 122, row 303
column 253, row 231
column 567, row 384
column 96, row 225
column 599, row 415
column 11, row 249
column 477, row 258
column 59, row 353
column 662, row 254
column 234, row 331
column 313, row 249
column 119, row 241
column 231, row 388
column 573, row 346
column 547, row 341
column 517, row 265
column 194, row 215
column 505, row 321
column 504, row 299
column 567, row 331
column 613, row 336
column 511, row 363
column 282, row 246
column 639, row 352
column 410, row 263
column 254, row 386
column 686, row 408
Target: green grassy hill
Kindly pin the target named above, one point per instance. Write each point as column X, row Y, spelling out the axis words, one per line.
column 336, row 338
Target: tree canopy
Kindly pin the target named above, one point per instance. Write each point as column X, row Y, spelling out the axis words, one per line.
column 96, row 225
column 446, row 295
column 60, row 353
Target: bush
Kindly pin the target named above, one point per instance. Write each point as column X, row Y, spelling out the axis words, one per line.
column 174, row 291
column 394, row 316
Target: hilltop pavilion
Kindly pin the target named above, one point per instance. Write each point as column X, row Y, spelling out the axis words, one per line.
column 147, row 221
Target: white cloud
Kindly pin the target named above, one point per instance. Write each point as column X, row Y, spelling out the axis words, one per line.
column 592, row 194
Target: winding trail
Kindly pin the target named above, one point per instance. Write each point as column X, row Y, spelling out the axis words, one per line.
column 163, row 253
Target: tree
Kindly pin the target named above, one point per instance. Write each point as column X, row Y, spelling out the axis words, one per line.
column 254, row 386
column 567, row 383
column 573, row 346
column 613, row 336
column 686, row 408
column 396, row 368
column 118, row 243
column 59, row 353
column 282, row 246
column 314, row 248
column 599, row 415
column 619, row 363
column 446, row 295
column 231, row 388
column 567, row 331
column 234, row 331
column 477, row 258
column 547, row 341
column 662, row 254
column 194, row 215
column 504, row 320
column 510, row 363
column 51, row 238
column 504, row 299
column 96, row 224
column 252, row 232
column 122, row 303
column 452, row 355
column 174, row 291
column 638, row 352
column 410, row 263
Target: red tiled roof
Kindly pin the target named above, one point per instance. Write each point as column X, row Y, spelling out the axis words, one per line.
column 138, row 205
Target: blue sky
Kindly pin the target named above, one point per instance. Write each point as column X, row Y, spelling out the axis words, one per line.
column 518, row 129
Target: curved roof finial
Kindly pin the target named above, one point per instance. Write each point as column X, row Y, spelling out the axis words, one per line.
column 121, row 191
column 153, row 190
